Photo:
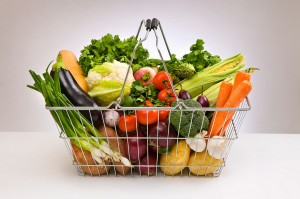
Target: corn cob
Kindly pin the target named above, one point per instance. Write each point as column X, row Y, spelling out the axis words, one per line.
column 210, row 76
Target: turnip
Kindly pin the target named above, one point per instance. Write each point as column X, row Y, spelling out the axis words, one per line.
column 147, row 165
column 146, row 75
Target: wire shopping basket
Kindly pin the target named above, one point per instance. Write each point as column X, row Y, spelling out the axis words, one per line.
column 156, row 148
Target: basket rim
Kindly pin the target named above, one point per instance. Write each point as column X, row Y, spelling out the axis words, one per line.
column 241, row 108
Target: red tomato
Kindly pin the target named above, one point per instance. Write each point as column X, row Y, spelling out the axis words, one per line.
column 161, row 80
column 147, row 117
column 163, row 115
column 128, row 123
column 167, row 95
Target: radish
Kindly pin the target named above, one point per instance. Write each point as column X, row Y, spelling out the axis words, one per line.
column 146, row 75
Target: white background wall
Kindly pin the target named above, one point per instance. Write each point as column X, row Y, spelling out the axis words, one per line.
column 267, row 32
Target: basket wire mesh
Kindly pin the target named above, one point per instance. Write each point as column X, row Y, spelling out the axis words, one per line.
column 86, row 163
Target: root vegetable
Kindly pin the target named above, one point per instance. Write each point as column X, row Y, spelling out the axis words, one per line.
column 135, row 147
column 149, row 163
column 234, row 100
column 84, row 157
column 118, row 145
column 239, row 77
column 160, row 135
column 145, row 74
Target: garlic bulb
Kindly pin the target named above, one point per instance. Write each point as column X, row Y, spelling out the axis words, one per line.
column 217, row 147
column 197, row 143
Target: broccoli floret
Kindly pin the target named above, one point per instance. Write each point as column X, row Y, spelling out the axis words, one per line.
column 187, row 122
column 183, row 70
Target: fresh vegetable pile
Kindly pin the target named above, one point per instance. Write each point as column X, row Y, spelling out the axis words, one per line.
column 155, row 125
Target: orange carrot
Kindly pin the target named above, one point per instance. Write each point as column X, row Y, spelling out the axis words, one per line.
column 239, row 77
column 234, row 100
column 224, row 93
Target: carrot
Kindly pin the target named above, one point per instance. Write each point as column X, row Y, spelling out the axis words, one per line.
column 239, row 77
column 224, row 93
column 234, row 100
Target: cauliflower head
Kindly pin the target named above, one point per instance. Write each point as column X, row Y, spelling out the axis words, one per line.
column 105, row 81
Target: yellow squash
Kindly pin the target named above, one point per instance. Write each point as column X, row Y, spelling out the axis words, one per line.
column 203, row 164
column 176, row 160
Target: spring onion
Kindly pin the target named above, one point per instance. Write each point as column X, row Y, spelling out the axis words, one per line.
column 72, row 122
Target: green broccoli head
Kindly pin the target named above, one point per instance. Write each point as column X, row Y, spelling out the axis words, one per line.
column 183, row 70
column 188, row 122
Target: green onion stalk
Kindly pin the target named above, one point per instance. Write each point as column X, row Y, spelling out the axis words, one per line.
column 82, row 133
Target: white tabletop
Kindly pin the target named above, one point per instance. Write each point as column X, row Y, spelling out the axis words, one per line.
column 37, row 165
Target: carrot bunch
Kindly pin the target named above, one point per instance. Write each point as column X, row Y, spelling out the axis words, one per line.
column 230, row 96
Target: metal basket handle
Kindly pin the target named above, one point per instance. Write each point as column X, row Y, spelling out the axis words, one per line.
column 150, row 25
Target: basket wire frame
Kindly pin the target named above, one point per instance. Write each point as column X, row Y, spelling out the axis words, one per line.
column 84, row 167
column 85, row 164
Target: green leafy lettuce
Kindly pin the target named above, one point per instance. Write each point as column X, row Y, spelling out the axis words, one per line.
column 110, row 48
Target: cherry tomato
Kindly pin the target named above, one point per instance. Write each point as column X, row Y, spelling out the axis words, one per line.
column 166, row 95
column 147, row 117
column 163, row 115
column 128, row 123
column 161, row 80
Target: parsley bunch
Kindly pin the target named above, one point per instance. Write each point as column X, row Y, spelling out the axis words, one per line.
column 110, row 48
column 199, row 57
column 140, row 94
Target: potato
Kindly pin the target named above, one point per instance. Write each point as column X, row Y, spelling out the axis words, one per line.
column 201, row 161
column 117, row 144
column 84, row 157
column 180, row 160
